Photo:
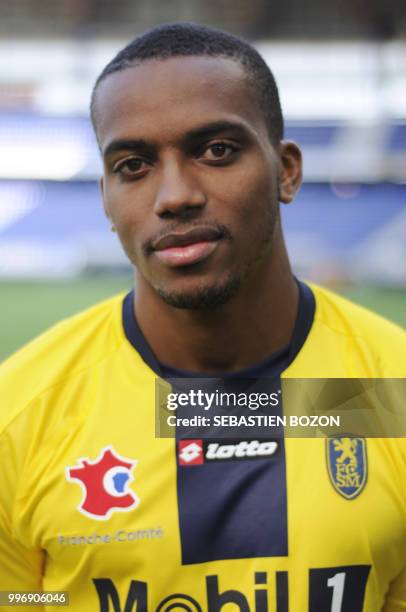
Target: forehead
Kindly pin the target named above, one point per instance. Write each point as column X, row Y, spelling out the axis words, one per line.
column 158, row 97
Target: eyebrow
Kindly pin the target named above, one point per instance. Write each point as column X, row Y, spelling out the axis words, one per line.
column 205, row 131
column 125, row 144
column 213, row 128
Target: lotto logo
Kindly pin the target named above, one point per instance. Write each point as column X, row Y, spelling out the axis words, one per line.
column 197, row 452
column 190, row 452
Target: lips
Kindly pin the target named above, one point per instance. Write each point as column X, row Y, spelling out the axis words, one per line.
column 187, row 248
column 197, row 234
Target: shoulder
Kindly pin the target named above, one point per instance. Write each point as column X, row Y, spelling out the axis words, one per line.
column 381, row 342
column 72, row 346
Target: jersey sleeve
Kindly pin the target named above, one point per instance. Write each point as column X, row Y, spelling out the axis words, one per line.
column 396, row 597
column 20, row 566
column 396, row 600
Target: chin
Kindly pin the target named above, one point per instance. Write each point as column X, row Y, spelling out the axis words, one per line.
column 203, row 297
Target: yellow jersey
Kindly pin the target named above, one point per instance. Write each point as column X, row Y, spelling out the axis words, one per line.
column 93, row 503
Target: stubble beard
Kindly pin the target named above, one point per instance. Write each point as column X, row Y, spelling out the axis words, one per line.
column 203, row 297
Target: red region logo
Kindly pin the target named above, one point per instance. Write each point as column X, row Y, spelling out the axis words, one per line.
column 105, row 484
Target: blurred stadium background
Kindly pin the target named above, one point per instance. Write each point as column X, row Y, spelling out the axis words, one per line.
column 341, row 68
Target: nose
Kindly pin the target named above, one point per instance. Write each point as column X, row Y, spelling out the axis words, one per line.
column 179, row 193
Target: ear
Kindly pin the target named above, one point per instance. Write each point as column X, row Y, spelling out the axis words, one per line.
column 290, row 175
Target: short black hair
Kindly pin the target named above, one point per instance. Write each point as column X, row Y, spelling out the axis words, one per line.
column 189, row 39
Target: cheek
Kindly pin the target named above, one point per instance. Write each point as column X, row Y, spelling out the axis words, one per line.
column 251, row 196
column 126, row 218
column 125, row 211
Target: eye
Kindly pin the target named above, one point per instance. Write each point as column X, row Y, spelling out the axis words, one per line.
column 219, row 151
column 130, row 167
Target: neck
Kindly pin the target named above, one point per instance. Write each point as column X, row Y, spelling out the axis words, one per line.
column 246, row 330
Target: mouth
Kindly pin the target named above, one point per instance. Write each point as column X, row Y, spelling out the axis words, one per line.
column 187, row 248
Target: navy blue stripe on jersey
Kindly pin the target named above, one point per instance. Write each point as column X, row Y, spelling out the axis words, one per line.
column 233, row 509
column 230, row 507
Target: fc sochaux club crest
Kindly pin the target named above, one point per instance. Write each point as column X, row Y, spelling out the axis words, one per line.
column 347, row 465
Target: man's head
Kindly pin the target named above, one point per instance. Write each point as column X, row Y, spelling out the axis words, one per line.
column 193, row 163
column 188, row 40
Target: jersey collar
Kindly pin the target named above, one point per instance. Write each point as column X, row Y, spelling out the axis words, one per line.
column 273, row 366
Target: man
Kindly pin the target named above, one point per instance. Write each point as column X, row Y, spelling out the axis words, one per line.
column 190, row 129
